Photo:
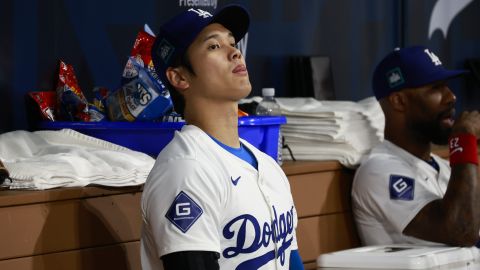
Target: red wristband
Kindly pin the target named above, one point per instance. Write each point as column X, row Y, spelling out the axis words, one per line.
column 463, row 149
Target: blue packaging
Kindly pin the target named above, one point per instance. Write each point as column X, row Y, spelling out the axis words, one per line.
column 142, row 99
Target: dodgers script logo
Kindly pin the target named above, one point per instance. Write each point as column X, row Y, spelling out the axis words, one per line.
column 280, row 230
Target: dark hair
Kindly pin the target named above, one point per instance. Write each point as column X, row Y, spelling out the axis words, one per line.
column 177, row 98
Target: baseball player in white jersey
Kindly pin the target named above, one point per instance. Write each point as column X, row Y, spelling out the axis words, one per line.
column 212, row 200
column 402, row 193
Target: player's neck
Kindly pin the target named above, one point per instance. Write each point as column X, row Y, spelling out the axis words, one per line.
column 221, row 122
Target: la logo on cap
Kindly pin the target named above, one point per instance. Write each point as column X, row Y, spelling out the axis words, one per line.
column 201, row 13
column 434, row 58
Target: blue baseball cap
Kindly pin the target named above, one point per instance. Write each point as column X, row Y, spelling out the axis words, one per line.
column 409, row 67
column 177, row 34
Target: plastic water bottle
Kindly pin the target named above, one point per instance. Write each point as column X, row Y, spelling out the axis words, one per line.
column 269, row 107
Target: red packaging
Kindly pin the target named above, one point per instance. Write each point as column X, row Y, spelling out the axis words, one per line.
column 72, row 104
column 143, row 46
column 142, row 52
column 46, row 101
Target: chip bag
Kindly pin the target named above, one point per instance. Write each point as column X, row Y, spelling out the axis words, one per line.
column 72, row 104
column 46, row 101
column 143, row 98
column 141, row 52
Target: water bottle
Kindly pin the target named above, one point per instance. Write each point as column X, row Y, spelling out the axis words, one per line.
column 269, row 107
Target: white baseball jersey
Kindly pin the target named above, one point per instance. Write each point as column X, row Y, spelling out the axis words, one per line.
column 390, row 187
column 199, row 196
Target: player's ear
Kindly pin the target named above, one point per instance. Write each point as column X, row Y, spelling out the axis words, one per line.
column 398, row 101
column 177, row 78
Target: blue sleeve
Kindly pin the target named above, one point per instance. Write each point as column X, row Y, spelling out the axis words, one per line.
column 295, row 261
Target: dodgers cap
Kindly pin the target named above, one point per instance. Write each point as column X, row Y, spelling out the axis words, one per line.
column 409, row 67
column 177, row 34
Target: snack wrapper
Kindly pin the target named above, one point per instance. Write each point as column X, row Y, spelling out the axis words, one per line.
column 100, row 95
column 72, row 104
column 144, row 98
column 46, row 101
column 141, row 51
column 96, row 115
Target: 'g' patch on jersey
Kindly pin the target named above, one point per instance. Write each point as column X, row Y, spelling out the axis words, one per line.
column 183, row 212
column 401, row 188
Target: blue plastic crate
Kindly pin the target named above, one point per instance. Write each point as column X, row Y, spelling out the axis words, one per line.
column 151, row 138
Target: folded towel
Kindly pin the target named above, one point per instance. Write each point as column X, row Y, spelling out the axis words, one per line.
column 66, row 158
column 331, row 130
column 343, row 153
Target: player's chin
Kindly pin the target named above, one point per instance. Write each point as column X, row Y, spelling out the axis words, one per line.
column 441, row 137
column 242, row 80
column 244, row 88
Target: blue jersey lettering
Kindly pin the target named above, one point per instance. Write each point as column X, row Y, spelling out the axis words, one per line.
column 280, row 229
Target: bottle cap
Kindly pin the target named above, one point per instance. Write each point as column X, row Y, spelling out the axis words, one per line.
column 268, row 92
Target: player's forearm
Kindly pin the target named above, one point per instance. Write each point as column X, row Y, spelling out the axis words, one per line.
column 461, row 201
column 455, row 219
column 461, row 205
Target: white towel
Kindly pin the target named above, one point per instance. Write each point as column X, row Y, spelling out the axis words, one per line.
column 66, row 158
column 331, row 130
column 343, row 153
